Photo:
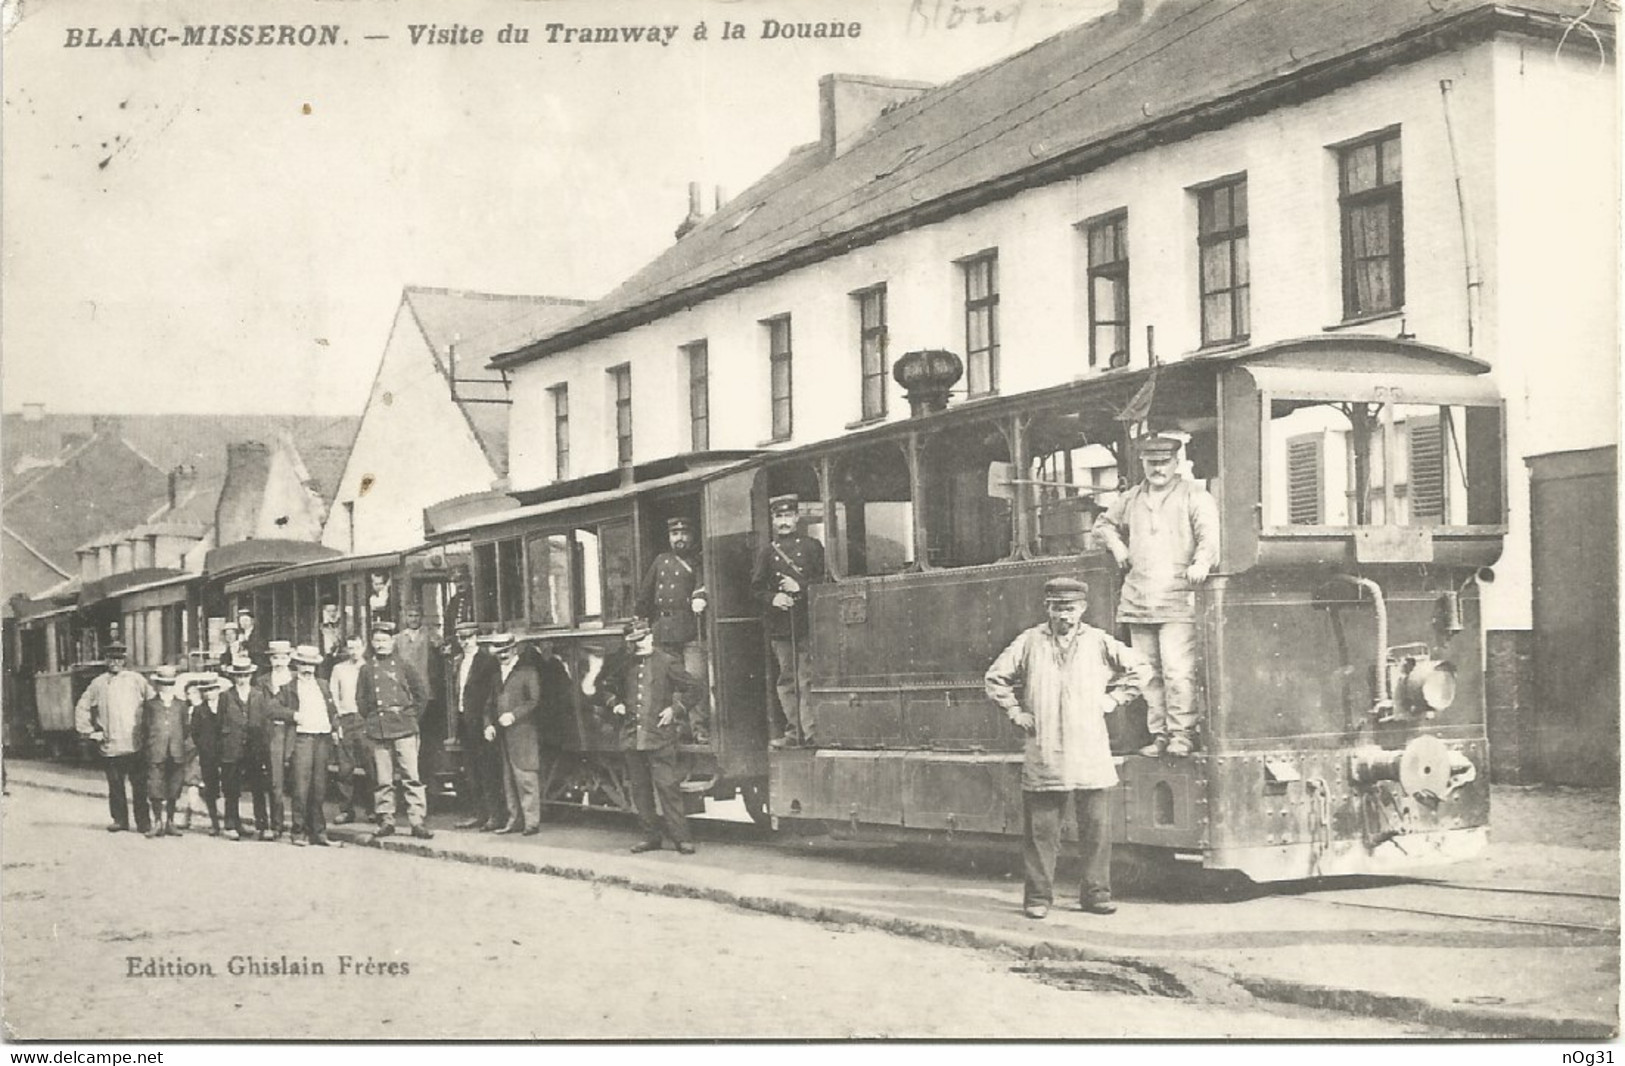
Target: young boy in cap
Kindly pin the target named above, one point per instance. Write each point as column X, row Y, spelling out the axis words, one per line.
column 108, row 714
column 1171, row 526
column 1056, row 681
column 203, row 728
column 163, row 728
column 673, row 598
column 784, row 568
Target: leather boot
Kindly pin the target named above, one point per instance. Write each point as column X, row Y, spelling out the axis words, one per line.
column 214, row 818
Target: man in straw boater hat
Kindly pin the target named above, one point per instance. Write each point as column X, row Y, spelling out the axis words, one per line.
column 673, row 598
column 278, row 684
column 108, row 714
column 640, row 687
column 245, row 713
column 1172, row 530
column 784, row 569
column 1057, row 681
column 166, row 748
column 476, row 681
column 313, row 718
column 391, row 697
column 511, row 705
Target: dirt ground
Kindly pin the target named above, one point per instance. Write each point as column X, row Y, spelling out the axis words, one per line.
column 482, row 953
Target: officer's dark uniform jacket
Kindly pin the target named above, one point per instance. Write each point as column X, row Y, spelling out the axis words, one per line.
column 646, row 684
column 799, row 557
column 664, row 597
column 391, row 697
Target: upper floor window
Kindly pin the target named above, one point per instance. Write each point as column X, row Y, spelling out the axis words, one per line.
column 621, row 378
column 1221, row 226
column 781, row 385
column 1108, row 291
column 982, row 323
column 699, row 396
column 1373, row 221
column 872, row 360
column 561, row 431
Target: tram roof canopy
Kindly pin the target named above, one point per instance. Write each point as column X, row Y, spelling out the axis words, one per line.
column 131, row 581
column 230, row 560
column 343, row 564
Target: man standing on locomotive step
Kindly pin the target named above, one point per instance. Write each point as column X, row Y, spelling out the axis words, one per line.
column 109, row 715
column 1057, row 682
column 1172, row 530
column 477, row 681
column 391, row 697
column 784, row 569
column 510, row 722
column 640, row 686
column 673, row 597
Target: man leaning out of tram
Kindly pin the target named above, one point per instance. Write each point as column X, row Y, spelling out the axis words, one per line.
column 1057, row 681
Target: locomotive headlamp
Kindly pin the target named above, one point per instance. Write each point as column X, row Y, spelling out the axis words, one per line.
column 1429, row 686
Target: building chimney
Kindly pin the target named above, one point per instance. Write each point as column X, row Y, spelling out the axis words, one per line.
column 33, row 412
column 848, row 105
column 237, row 514
column 721, row 198
column 696, row 211
column 181, row 481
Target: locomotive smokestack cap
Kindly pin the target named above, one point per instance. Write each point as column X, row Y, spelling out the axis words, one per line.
column 928, row 377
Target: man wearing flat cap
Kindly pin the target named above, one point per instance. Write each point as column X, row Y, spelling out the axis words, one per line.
column 1057, row 681
column 639, row 688
column 1164, row 532
column 391, row 697
column 108, row 714
column 784, row 569
column 673, row 598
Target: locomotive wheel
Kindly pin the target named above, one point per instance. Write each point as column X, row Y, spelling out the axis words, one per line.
column 755, row 796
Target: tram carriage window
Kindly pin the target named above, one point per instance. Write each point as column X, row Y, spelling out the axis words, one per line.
column 510, row 580
column 1328, row 464
column 485, row 582
column 620, row 575
column 552, row 600
column 156, row 652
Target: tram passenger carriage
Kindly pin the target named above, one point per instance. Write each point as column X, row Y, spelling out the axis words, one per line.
column 1361, row 488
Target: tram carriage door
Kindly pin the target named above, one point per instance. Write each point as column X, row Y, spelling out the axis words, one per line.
column 735, row 508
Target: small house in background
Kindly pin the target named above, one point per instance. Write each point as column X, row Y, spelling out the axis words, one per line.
column 436, row 422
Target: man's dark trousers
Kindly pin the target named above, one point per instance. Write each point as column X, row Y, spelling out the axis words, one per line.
column 654, row 773
column 310, row 782
column 131, row 768
column 1042, row 820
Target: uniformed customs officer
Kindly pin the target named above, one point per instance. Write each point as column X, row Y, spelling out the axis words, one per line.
column 639, row 686
column 166, row 749
column 391, row 698
column 673, row 598
column 784, row 569
column 1057, row 681
column 1171, row 526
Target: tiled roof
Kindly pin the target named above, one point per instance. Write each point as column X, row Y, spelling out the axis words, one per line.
column 482, row 325
column 1062, row 106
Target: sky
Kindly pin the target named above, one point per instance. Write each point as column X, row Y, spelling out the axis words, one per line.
column 194, row 229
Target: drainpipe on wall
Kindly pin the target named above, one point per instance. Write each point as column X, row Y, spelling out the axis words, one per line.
column 1469, row 236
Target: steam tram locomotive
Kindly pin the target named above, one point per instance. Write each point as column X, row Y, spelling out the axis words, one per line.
column 1361, row 488
column 1362, row 497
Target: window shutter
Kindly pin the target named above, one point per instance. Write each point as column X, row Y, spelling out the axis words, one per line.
column 1427, row 470
column 1303, row 481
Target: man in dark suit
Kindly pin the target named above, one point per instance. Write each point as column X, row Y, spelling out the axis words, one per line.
column 245, row 716
column 511, row 722
column 476, row 678
column 637, row 686
column 203, row 727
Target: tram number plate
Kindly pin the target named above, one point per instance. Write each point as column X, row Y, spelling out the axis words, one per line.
column 854, row 610
column 1393, row 544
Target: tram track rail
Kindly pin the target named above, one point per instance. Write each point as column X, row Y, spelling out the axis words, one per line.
column 1579, row 914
